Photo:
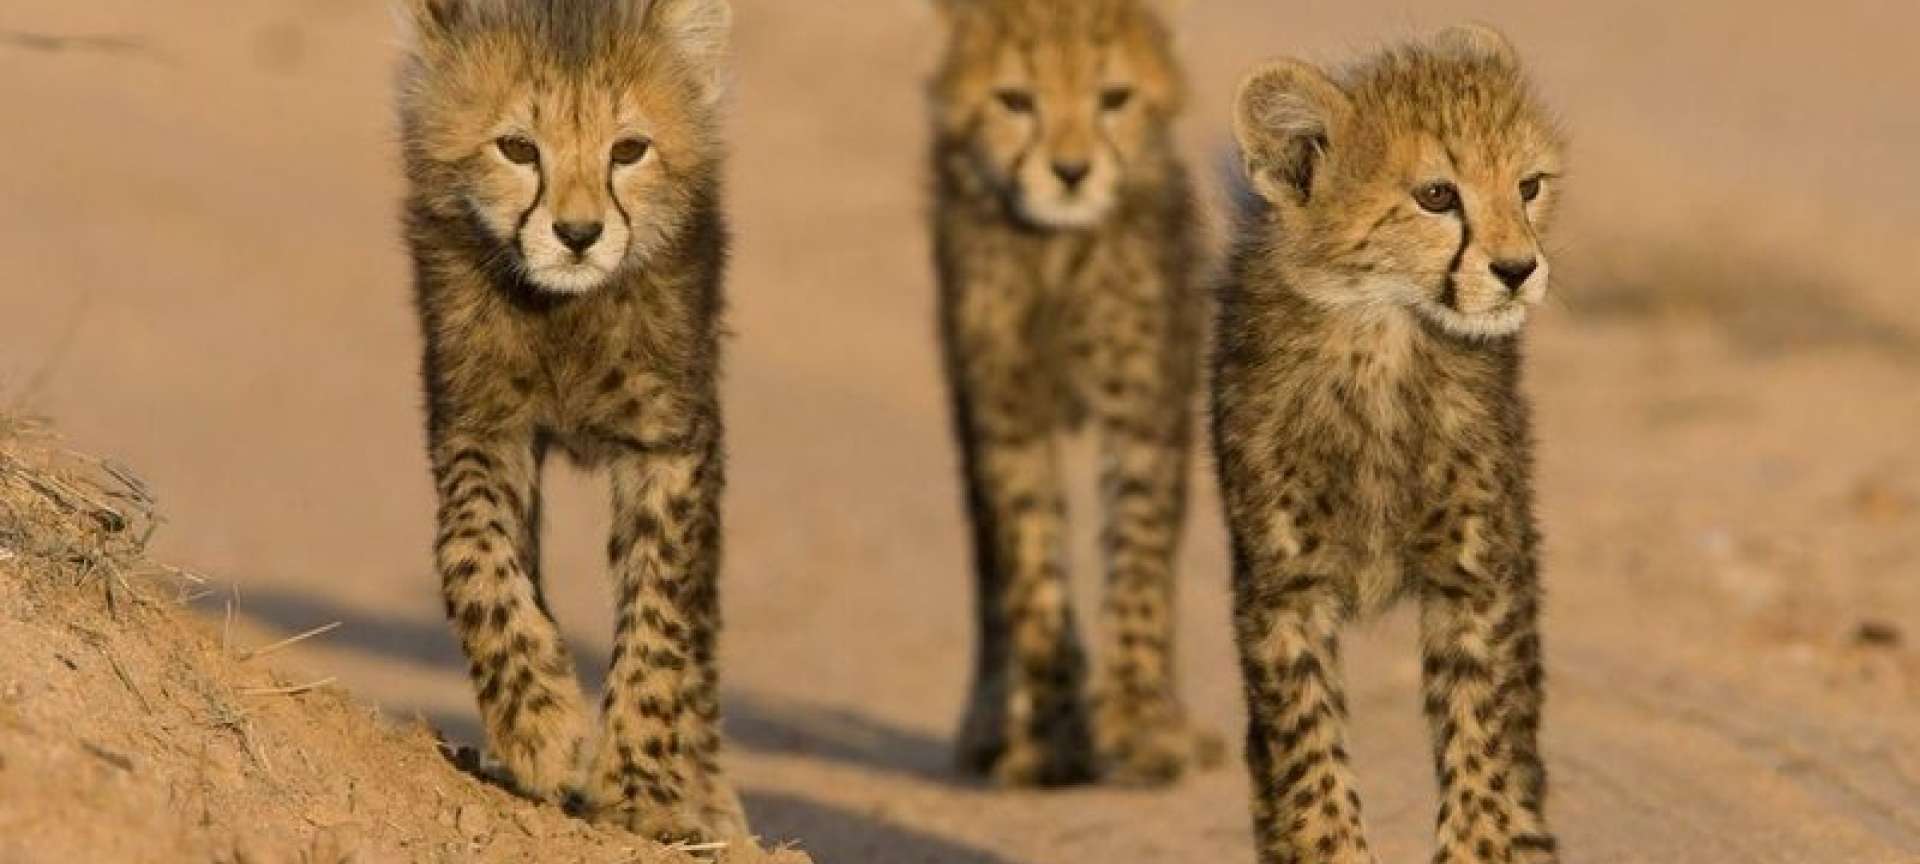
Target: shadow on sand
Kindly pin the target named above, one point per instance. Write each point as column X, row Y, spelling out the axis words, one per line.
column 754, row 722
column 833, row 835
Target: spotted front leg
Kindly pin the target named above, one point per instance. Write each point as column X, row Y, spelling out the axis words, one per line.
column 1305, row 807
column 1524, row 681
column 656, row 771
column 488, row 559
column 1483, row 693
column 1026, row 722
column 1142, row 733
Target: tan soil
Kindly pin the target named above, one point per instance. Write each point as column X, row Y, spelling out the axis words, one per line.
column 130, row 732
column 204, row 279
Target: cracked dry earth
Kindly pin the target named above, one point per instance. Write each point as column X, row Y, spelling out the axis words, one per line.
column 206, row 282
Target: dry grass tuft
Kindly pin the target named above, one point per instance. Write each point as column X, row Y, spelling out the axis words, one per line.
column 76, row 516
column 68, row 511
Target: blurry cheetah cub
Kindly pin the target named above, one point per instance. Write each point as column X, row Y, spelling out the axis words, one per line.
column 563, row 212
column 1065, row 244
column 1373, row 442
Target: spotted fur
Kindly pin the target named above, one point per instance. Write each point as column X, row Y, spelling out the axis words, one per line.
column 564, row 216
column 1065, row 246
column 1373, row 442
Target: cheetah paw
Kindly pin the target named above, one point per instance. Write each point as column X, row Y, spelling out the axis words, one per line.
column 665, row 823
column 1151, row 745
column 1056, row 751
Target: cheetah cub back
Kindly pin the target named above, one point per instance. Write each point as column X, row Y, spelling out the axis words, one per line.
column 1065, row 245
column 1373, row 442
column 563, row 214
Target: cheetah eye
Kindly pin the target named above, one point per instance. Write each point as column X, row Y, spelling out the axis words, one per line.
column 1437, row 197
column 518, row 150
column 1530, row 188
column 1017, row 101
column 627, row 151
column 1115, row 98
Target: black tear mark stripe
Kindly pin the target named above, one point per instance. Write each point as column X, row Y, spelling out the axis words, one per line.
column 1103, row 127
column 1452, row 291
column 614, row 197
column 539, row 193
column 1113, row 147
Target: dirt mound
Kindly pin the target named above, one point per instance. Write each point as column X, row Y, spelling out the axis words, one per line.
column 131, row 731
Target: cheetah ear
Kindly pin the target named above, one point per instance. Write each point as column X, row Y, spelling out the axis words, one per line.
column 1285, row 117
column 1477, row 41
column 700, row 30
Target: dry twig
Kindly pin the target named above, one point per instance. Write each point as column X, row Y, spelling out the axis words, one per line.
column 289, row 641
column 290, row 690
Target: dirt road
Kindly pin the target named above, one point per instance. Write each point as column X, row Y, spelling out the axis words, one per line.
column 204, row 279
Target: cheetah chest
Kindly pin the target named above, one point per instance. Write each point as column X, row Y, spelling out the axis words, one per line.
column 1368, row 429
column 600, row 390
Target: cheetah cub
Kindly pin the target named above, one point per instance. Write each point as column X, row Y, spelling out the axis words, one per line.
column 1064, row 244
column 564, row 218
column 1373, row 441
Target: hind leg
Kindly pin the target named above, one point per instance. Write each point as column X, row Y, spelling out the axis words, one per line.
column 488, row 557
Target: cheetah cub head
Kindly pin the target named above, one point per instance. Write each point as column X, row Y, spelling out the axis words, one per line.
column 1422, row 179
column 1057, row 106
column 576, row 136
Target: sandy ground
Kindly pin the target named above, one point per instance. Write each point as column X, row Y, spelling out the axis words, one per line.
column 204, row 279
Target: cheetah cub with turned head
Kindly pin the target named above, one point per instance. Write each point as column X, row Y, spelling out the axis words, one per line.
column 1065, row 246
column 1373, row 441
column 564, row 217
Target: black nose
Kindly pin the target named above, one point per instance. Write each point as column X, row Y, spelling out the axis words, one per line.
column 1071, row 173
column 1515, row 273
column 577, row 235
